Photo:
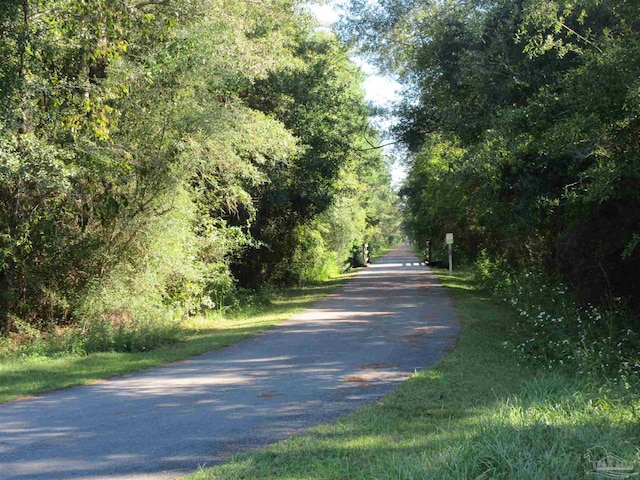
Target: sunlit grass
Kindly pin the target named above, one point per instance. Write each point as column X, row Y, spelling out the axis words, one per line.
column 476, row 414
column 32, row 375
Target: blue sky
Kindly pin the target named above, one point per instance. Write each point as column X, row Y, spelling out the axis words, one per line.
column 380, row 90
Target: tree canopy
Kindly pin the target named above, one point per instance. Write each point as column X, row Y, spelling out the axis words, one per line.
column 522, row 122
column 150, row 149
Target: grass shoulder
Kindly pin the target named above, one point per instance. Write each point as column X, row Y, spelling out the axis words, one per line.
column 38, row 374
column 477, row 414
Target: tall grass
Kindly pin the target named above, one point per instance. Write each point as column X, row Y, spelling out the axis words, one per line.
column 557, row 332
column 60, row 361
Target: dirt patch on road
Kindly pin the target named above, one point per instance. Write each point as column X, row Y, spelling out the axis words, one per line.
column 359, row 381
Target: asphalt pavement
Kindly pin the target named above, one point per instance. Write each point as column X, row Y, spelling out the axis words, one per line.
column 349, row 349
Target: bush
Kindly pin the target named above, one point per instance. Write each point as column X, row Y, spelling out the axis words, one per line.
column 311, row 260
column 559, row 332
column 117, row 331
column 356, row 257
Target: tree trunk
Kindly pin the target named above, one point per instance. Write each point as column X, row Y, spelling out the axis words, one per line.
column 7, row 279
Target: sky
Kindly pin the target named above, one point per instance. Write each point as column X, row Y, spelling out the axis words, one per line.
column 379, row 89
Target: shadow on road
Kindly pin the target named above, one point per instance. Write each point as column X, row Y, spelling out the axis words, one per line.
column 349, row 349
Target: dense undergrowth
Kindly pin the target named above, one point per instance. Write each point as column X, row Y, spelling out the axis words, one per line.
column 557, row 331
column 119, row 332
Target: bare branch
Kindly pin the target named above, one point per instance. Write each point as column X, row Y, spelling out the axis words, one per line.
column 378, row 147
column 584, row 39
column 58, row 11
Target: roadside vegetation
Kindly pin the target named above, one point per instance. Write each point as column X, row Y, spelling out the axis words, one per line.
column 160, row 159
column 485, row 411
column 165, row 166
column 53, row 363
column 599, row 342
column 521, row 123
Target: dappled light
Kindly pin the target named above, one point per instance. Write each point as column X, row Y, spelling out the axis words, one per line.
column 349, row 349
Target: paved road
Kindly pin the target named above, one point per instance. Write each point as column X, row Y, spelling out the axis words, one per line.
column 349, row 349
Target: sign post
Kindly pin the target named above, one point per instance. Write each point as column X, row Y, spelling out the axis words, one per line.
column 449, row 241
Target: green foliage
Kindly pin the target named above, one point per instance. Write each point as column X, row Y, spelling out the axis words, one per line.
column 344, row 224
column 327, row 198
column 312, row 261
column 159, row 279
column 146, row 148
column 559, row 333
column 521, row 121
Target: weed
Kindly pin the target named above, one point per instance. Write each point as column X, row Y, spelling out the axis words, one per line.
column 62, row 358
column 558, row 332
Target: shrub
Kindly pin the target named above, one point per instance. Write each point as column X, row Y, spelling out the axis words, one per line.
column 118, row 331
column 557, row 331
column 311, row 260
column 356, row 256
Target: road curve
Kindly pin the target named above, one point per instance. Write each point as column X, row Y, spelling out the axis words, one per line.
column 352, row 347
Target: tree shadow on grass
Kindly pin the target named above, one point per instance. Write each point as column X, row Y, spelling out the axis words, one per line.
column 477, row 414
column 38, row 375
column 270, row 387
column 547, row 428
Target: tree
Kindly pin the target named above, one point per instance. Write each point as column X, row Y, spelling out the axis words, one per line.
column 113, row 122
column 320, row 100
column 145, row 146
column 520, row 117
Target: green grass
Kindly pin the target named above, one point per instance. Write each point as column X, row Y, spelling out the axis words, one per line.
column 32, row 375
column 477, row 414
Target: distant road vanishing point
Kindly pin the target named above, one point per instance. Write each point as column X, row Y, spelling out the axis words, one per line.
column 349, row 349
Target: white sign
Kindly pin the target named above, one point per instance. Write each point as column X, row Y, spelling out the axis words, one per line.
column 449, row 239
